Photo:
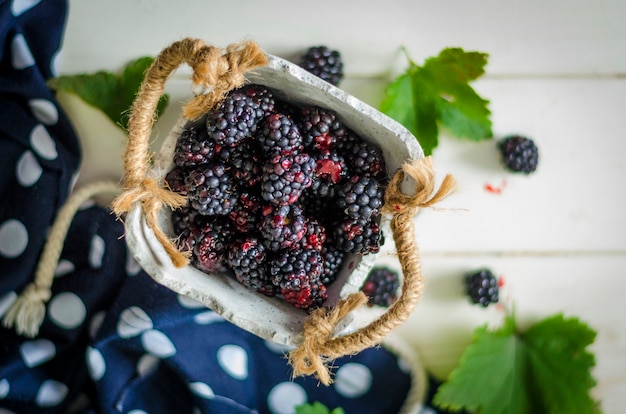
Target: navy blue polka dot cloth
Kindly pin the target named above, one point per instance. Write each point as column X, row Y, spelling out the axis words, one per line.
column 113, row 340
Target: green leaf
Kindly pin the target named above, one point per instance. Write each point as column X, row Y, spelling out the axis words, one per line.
column 546, row 370
column 317, row 408
column 111, row 93
column 438, row 94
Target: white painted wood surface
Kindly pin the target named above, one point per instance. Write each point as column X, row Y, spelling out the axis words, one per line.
column 556, row 73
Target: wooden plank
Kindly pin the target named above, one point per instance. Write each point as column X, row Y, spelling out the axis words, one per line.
column 532, row 37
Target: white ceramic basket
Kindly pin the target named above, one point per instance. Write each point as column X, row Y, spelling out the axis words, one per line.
column 272, row 318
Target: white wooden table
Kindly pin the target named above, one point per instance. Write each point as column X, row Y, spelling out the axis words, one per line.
column 556, row 73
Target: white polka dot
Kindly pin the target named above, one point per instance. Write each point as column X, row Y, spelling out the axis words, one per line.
column 96, row 323
column 147, row 363
column 13, row 238
column 132, row 267
column 137, row 412
column 4, row 388
column 278, row 348
column 67, row 310
column 96, row 251
column 63, row 267
column 37, row 351
column 51, row 393
column 187, row 302
column 96, row 366
column 55, row 62
column 6, row 411
column 234, row 360
column 20, row 6
column 207, row 318
column 201, row 390
column 157, row 344
column 42, row 143
column 44, row 110
column 284, row 397
column 21, row 56
column 353, row 380
column 132, row 322
column 6, row 301
column 28, row 170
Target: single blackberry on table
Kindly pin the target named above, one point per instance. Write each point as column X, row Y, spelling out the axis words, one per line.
column 278, row 134
column 333, row 259
column 519, row 154
column 285, row 177
column 260, row 95
column 358, row 235
column 175, row 180
column 211, row 190
column 282, row 227
column 320, row 128
column 193, row 147
column 234, row 119
column 246, row 214
column 482, row 287
column 381, row 286
column 246, row 257
column 330, row 171
column 287, row 267
column 324, row 63
column 360, row 197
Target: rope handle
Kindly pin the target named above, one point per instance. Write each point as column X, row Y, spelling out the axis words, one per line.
column 318, row 347
column 215, row 72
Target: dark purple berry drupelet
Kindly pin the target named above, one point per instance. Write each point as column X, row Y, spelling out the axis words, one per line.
column 519, row 154
column 278, row 134
column 320, row 128
column 364, row 158
column 234, row 119
column 285, row 177
column 246, row 214
column 381, row 286
column 330, row 171
column 358, row 235
column 361, row 197
column 260, row 95
column 315, row 235
column 245, row 162
column 333, row 259
column 324, row 63
column 287, row 267
column 282, row 227
column 211, row 191
column 175, row 180
column 482, row 287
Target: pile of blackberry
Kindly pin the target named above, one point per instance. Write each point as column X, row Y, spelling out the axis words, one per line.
column 482, row 287
column 278, row 194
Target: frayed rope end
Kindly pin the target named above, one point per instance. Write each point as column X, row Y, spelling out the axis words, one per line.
column 27, row 313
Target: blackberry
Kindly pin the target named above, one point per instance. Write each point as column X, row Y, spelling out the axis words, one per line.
column 285, row 177
column 320, row 128
column 333, row 259
column 245, row 162
column 175, row 180
column 193, row 147
column 246, row 257
column 482, row 287
column 381, row 286
column 234, row 119
column 210, row 243
column 306, row 294
column 324, row 63
column 211, row 190
column 358, row 235
column 315, row 235
column 330, row 170
column 519, row 154
column 261, row 96
column 282, row 227
column 278, row 134
column 361, row 197
column 292, row 267
column 246, row 214
column 364, row 158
